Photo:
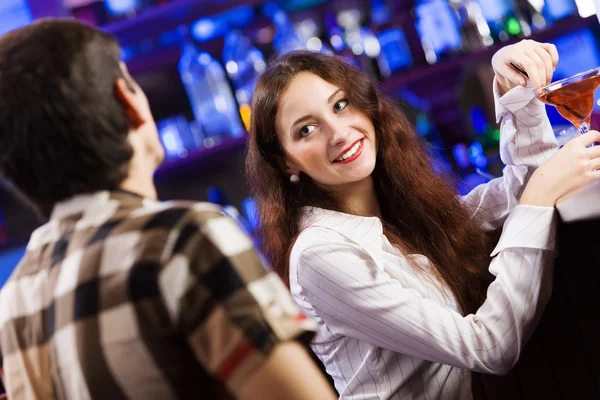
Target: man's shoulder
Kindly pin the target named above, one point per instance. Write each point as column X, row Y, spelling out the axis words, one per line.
column 182, row 228
column 168, row 215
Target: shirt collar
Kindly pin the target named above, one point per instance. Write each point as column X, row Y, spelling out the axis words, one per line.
column 91, row 209
column 360, row 229
column 91, row 203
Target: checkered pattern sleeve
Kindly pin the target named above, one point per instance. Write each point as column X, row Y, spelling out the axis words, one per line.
column 232, row 310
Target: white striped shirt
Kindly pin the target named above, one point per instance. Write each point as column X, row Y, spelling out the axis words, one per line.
column 388, row 332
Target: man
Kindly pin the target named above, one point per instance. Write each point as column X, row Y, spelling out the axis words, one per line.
column 118, row 295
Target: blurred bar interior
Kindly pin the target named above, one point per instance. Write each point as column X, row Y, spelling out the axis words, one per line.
column 198, row 61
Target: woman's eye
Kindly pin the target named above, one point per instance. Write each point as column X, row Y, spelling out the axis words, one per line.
column 340, row 105
column 306, row 130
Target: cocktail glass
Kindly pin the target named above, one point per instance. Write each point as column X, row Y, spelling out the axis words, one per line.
column 573, row 97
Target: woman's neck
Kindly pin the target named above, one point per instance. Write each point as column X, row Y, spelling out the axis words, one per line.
column 360, row 198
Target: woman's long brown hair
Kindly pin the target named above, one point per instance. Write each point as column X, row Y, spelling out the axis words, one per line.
column 421, row 211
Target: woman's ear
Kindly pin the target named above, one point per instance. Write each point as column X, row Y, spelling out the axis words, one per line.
column 287, row 166
column 291, row 169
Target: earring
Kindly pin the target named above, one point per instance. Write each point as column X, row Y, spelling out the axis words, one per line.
column 294, row 178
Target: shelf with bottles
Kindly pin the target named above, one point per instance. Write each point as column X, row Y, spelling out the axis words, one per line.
column 155, row 21
column 164, row 50
column 419, row 74
column 350, row 32
column 262, row 24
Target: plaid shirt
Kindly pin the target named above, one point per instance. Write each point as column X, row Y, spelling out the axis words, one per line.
column 121, row 297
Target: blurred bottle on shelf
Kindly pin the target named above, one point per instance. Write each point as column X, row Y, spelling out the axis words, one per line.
column 395, row 52
column 555, row 10
column 359, row 41
column 209, row 93
column 438, row 28
column 475, row 31
column 481, row 164
column 461, row 157
column 286, row 39
column 177, row 137
column 250, row 209
column 503, row 19
column 478, row 158
column 463, row 166
column 218, row 25
column 335, row 36
column 466, row 159
column 335, row 33
column 532, row 13
column 487, row 134
column 243, row 63
column 218, row 196
column 310, row 30
column 418, row 112
column 381, row 12
column 117, row 9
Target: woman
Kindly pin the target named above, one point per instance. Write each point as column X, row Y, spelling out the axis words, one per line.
column 380, row 251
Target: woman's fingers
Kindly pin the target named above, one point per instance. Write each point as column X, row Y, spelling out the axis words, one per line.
column 594, row 164
column 547, row 61
column 539, row 61
column 588, row 138
column 512, row 74
column 551, row 49
column 540, row 65
column 593, row 152
column 530, row 66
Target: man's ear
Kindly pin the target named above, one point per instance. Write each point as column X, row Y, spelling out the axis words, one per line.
column 129, row 101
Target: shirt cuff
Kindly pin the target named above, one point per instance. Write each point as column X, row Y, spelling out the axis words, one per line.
column 530, row 227
column 517, row 99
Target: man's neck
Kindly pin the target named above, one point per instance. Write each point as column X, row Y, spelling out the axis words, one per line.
column 140, row 177
column 138, row 186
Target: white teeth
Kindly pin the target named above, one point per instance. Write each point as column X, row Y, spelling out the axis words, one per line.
column 349, row 153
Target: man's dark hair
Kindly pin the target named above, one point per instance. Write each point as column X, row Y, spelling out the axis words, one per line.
column 62, row 130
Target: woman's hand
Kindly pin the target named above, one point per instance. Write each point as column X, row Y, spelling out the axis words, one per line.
column 539, row 60
column 574, row 166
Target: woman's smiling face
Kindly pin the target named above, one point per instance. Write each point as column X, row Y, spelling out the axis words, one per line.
column 323, row 135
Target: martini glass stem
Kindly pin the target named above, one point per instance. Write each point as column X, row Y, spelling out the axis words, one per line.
column 584, row 127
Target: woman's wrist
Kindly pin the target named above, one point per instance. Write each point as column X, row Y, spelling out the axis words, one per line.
column 537, row 199
column 539, row 191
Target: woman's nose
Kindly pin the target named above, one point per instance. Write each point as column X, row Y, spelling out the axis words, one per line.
column 338, row 134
